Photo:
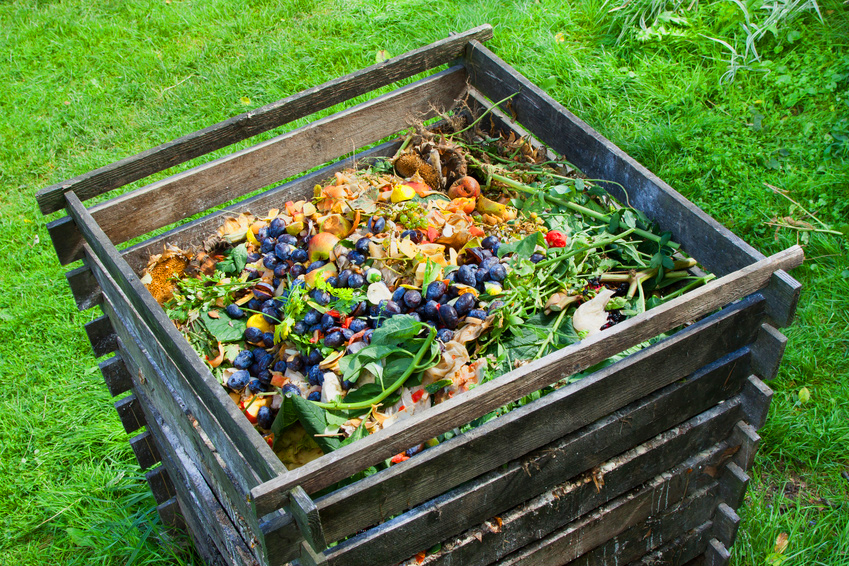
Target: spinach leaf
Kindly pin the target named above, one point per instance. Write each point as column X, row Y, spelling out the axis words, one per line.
column 224, row 328
column 521, row 249
column 314, row 421
column 235, row 261
column 396, row 330
column 286, row 417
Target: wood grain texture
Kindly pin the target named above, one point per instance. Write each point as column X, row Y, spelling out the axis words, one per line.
column 192, row 233
column 343, row 512
column 260, row 120
column 747, row 439
column 170, row 514
column 684, row 550
column 732, row 485
column 160, row 484
column 205, row 186
column 130, row 412
column 768, row 351
column 726, row 522
column 716, row 554
column 461, row 409
column 230, row 484
column 757, row 397
column 115, row 375
column 83, row 287
column 304, row 511
column 172, row 345
column 145, row 450
column 101, row 336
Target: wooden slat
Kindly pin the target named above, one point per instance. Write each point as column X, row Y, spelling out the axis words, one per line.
column 205, row 186
column 101, row 336
column 343, row 514
column 606, row 537
column 115, row 375
column 768, row 351
column 260, row 120
column 684, row 549
column 757, row 398
column 160, row 484
column 716, row 554
column 145, row 450
column 712, row 244
column 461, row 409
column 726, row 522
column 83, row 287
column 231, row 483
column 171, row 515
column 210, row 393
column 495, row 492
column 306, row 516
column 733, row 482
column 130, row 412
column 190, row 234
column 747, row 439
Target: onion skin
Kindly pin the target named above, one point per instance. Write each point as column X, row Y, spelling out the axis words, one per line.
column 465, row 187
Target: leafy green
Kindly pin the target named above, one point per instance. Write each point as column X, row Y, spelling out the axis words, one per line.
column 235, row 261
column 437, row 385
column 523, row 248
column 314, row 421
column 286, row 417
column 224, row 328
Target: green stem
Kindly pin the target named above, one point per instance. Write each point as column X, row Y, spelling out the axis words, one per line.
column 550, row 334
column 599, row 244
column 414, row 365
column 690, row 286
column 488, row 110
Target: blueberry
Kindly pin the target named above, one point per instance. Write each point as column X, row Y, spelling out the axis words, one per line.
column 316, row 264
column 466, row 275
column 414, row 235
column 238, row 380
column 537, row 257
column 412, row 299
column 488, row 263
column 252, row 274
column 300, row 328
column 316, row 375
column 321, row 297
column 299, row 256
column 376, row 224
column 281, row 270
column 482, row 275
column 355, row 281
column 498, row 272
column 297, row 270
column 362, row 246
column 435, row 290
column 312, row 317
column 233, row 311
column 490, row 243
column 343, row 278
column 358, row 325
column 253, row 335
column 290, row 389
column 356, row 258
column 262, row 233
column 279, row 366
column 253, row 305
column 431, row 310
column 314, row 357
column 287, row 239
column 444, row 335
column 451, row 277
column 244, row 359
column 464, row 304
column 267, row 245
column 263, row 291
column 277, row 227
column 327, row 322
column 477, row 313
column 391, row 308
column 283, row 251
column 367, row 335
column 268, row 339
column 296, row 363
column 256, row 386
column 452, row 292
column 264, row 376
column 253, row 257
column 271, row 315
column 264, row 418
column 448, row 316
column 314, row 396
column 415, row 316
column 398, row 294
column 270, row 261
column 262, row 358
column 334, row 340
column 333, row 281
column 494, row 305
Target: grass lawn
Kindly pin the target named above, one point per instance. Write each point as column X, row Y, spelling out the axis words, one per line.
column 88, row 83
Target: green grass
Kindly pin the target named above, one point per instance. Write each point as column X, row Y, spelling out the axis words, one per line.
column 89, row 83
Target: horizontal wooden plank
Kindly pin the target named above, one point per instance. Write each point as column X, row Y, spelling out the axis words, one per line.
column 173, row 346
column 145, row 450
column 684, row 550
column 101, row 336
column 115, row 375
column 230, row 483
column 461, row 409
column 130, row 412
column 260, row 120
column 160, row 484
column 84, row 287
column 190, row 234
column 210, row 184
column 614, row 433
column 768, row 351
column 700, row 436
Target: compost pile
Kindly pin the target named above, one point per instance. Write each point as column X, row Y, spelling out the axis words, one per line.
column 408, row 281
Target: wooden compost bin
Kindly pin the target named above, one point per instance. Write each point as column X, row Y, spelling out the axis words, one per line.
column 644, row 461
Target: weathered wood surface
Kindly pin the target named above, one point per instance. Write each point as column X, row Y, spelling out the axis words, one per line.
column 757, row 398
column 231, row 484
column 733, row 482
column 205, row 186
column 476, row 501
column 145, row 450
column 130, row 413
column 716, row 554
column 83, row 287
column 455, row 412
column 304, row 511
column 504, row 488
column 171, row 515
column 712, row 244
column 685, row 548
column 160, row 484
column 115, row 374
column 101, row 336
column 768, row 351
column 726, row 522
column 260, row 120
column 747, row 439
column 173, row 346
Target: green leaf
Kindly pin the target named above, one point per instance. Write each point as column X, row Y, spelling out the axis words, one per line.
column 224, row 329
column 430, row 273
column 235, row 261
column 521, row 249
column 396, row 330
column 437, row 385
column 429, row 198
column 364, row 393
column 286, row 417
column 314, row 421
column 359, row 433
